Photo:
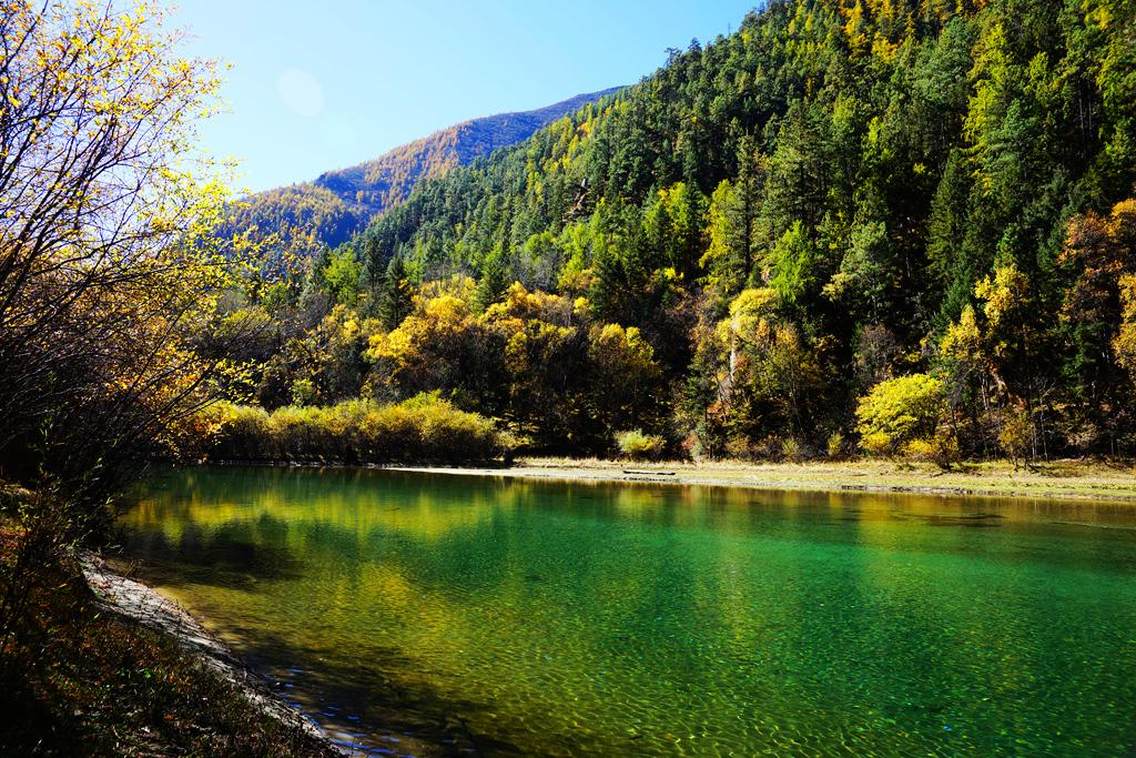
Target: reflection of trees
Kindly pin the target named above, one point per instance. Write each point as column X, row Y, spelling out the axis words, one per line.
column 696, row 608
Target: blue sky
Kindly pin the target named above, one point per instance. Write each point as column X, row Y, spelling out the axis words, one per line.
column 313, row 88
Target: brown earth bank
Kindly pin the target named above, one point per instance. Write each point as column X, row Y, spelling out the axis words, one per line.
column 1059, row 480
column 100, row 664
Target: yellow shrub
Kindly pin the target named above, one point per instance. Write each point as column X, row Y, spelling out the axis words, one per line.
column 835, row 447
column 876, row 443
column 899, row 410
column 941, row 449
column 637, row 446
column 424, row 428
column 919, row 450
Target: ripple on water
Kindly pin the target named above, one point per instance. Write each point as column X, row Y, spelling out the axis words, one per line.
column 413, row 614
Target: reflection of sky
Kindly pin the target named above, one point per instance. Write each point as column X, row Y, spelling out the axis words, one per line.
column 621, row 619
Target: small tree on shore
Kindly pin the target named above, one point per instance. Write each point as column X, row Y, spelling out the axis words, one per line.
column 109, row 264
column 107, row 258
column 904, row 416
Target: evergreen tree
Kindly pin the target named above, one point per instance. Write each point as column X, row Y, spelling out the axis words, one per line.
column 394, row 296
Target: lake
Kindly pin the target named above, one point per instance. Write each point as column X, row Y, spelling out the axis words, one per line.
column 437, row 614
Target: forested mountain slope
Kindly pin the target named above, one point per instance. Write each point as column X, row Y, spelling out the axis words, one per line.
column 897, row 226
column 371, row 187
column 339, row 203
column 841, row 182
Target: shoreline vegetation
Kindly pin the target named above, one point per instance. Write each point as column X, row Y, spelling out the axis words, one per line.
column 109, row 666
column 429, row 433
column 1061, row 480
column 422, row 428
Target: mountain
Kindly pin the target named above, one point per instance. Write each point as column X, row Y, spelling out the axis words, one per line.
column 370, row 188
column 837, row 195
column 903, row 146
column 339, row 203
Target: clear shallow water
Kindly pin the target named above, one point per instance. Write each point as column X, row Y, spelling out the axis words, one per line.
column 421, row 614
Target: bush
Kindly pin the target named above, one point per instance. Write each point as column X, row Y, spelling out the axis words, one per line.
column 898, row 411
column 836, row 447
column 941, row 449
column 876, row 444
column 303, row 392
column 739, row 448
column 1015, row 435
column 229, row 429
column 424, row 428
column 638, row 446
column 792, row 451
column 921, row 449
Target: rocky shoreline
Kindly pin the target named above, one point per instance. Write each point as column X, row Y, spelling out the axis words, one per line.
column 1070, row 481
column 149, row 608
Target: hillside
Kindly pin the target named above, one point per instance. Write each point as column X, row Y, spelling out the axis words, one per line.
column 835, row 196
column 902, row 228
column 371, row 187
column 340, row 203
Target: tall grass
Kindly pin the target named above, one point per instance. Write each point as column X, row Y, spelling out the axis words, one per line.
column 422, row 429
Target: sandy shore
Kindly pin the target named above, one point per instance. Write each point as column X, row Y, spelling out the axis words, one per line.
column 1058, row 480
column 149, row 608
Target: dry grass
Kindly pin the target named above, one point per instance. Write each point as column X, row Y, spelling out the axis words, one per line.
column 1064, row 479
column 80, row 680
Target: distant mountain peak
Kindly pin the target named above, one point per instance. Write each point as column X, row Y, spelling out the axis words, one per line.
column 343, row 201
column 375, row 185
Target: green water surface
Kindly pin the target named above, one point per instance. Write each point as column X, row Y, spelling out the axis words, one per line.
column 435, row 614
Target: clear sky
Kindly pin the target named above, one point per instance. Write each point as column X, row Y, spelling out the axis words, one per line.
column 320, row 85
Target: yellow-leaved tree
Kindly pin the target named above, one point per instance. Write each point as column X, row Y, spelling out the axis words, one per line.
column 109, row 264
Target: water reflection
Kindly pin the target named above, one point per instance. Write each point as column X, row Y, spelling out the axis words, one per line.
column 452, row 613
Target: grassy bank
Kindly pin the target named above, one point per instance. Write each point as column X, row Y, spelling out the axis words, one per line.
column 81, row 679
column 1069, row 479
column 423, row 428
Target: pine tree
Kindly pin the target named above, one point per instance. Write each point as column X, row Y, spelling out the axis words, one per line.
column 394, row 298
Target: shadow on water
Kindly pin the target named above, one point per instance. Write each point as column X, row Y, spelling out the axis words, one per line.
column 371, row 708
column 219, row 558
column 975, row 520
column 340, row 697
column 438, row 615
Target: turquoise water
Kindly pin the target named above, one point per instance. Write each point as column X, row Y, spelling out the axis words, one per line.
column 434, row 614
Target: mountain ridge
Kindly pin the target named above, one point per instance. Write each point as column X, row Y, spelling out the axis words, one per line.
column 298, row 219
column 461, row 143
